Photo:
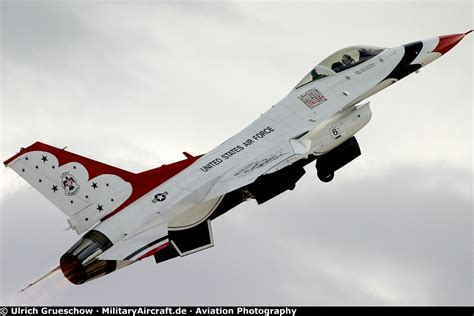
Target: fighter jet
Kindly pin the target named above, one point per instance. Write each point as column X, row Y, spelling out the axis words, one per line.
column 166, row 212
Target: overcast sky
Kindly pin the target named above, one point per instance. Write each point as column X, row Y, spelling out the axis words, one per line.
column 135, row 84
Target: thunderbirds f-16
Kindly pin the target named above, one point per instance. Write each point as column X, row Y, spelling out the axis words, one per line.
column 167, row 212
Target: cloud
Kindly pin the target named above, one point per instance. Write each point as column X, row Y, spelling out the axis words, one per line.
column 378, row 240
column 133, row 85
column 40, row 32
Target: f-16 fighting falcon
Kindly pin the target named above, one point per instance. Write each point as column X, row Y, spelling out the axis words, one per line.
column 167, row 212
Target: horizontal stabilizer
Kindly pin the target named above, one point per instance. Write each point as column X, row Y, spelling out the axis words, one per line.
column 139, row 246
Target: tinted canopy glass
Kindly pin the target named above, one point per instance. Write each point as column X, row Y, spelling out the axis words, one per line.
column 339, row 61
column 349, row 57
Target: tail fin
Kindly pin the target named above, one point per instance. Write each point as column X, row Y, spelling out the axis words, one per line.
column 84, row 189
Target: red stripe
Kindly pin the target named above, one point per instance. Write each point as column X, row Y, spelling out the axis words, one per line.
column 94, row 168
column 142, row 183
column 447, row 42
column 154, row 250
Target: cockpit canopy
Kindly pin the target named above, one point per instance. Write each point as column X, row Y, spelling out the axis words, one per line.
column 339, row 61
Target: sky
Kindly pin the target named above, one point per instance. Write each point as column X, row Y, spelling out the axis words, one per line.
column 134, row 84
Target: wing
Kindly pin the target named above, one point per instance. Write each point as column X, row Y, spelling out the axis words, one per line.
column 279, row 157
column 191, row 231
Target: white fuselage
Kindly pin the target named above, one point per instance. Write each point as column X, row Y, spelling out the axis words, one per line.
column 270, row 143
column 167, row 211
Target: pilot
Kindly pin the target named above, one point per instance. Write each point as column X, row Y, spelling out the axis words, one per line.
column 337, row 66
column 347, row 60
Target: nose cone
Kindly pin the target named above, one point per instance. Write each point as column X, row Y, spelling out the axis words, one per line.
column 447, row 42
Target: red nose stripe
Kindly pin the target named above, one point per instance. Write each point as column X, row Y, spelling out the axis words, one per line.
column 447, row 42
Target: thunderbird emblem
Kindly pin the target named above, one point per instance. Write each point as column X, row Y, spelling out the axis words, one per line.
column 69, row 184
